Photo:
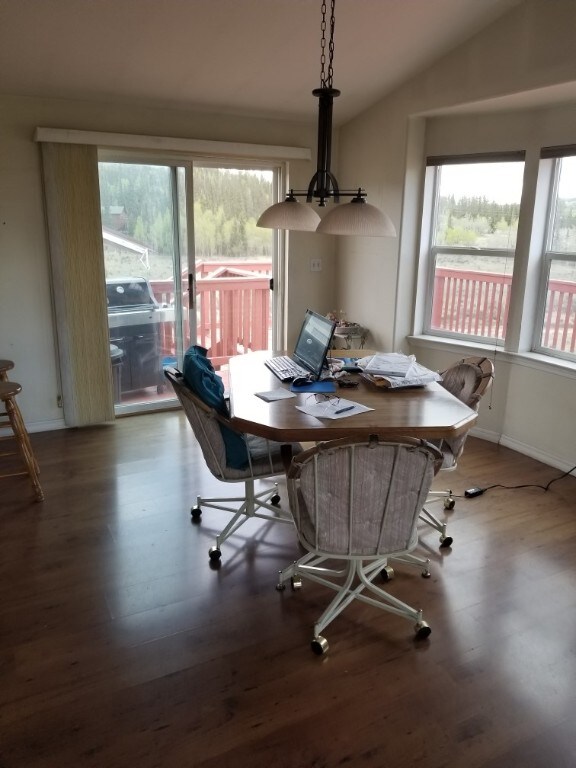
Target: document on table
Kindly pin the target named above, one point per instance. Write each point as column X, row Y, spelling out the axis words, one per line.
column 394, row 371
column 388, row 364
column 275, row 394
column 333, row 409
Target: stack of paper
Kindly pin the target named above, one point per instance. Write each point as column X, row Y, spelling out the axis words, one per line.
column 394, row 370
column 388, row 364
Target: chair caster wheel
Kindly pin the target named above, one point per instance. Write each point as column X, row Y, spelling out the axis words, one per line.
column 196, row 514
column 275, row 500
column 426, row 573
column 422, row 630
column 214, row 554
column 449, row 503
column 319, row 645
column 280, row 587
column 296, row 583
column 445, row 542
column 387, row 573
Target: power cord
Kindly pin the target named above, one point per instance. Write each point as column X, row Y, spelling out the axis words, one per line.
column 471, row 493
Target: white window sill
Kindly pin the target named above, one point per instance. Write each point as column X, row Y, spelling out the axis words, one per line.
column 467, row 348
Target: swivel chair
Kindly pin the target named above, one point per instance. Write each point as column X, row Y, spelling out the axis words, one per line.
column 356, row 505
column 265, row 459
column 468, row 380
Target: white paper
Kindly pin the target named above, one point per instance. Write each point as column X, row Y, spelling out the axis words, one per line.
column 333, row 410
column 275, row 394
column 388, row 364
column 417, row 377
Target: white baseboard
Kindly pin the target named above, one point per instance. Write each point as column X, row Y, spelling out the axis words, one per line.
column 482, row 434
column 46, row 426
column 526, row 450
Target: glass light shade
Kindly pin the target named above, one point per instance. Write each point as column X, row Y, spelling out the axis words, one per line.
column 289, row 215
column 357, row 218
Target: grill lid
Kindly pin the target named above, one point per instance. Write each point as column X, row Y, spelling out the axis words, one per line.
column 128, row 293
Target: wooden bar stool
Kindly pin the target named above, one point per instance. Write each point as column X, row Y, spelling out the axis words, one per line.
column 5, row 366
column 15, row 422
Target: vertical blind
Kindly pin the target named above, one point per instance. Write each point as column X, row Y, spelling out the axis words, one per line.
column 78, row 279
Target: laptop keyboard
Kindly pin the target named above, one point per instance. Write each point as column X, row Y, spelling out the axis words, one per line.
column 285, row 368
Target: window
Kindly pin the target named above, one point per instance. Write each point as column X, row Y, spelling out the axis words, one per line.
column 476, row 205
column 556, row 328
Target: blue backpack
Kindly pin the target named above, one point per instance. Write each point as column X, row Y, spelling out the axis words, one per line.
column 200, row 376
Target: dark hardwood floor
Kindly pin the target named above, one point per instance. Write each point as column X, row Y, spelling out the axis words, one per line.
column 120, row 646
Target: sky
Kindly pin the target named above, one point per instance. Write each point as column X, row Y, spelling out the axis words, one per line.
column 567, row 187
column 500, row 182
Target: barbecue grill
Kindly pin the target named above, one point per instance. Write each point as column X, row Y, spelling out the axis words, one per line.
column 134, row 318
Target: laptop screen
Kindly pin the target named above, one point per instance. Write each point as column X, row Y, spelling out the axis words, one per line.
column 314, row 342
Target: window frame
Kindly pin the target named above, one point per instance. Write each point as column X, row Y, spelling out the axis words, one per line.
column 556, row 154
column 547, row 258
column 433, row 181
column 457, row 250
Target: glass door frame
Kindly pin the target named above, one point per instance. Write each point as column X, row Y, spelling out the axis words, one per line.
column 187, row 163
column 279, row 242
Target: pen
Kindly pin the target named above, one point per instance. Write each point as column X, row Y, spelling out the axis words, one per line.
column 343, row 410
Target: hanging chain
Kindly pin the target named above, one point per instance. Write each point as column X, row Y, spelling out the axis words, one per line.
column 326, row 81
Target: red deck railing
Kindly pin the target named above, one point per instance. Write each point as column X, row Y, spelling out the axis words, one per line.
column 477, row 303
column 233, row 307
column 474, row 303
column 559, row 330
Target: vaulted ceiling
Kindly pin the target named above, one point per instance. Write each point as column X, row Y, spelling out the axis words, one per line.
column 256, row 57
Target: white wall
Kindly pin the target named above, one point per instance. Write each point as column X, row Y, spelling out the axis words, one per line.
column 533, row 406
column 26, row 326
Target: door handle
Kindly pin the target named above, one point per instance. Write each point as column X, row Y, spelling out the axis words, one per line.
column 191, row 292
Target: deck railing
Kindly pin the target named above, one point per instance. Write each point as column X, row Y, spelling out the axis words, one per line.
column 474, row 303
column 233, row 307
column 477, row 303
column 559, row 330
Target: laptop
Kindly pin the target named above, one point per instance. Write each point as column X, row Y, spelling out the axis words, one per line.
column 309, row 356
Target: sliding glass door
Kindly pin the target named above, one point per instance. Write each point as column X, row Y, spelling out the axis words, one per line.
column 234, row 260
column 143, row 263
column 185, row 263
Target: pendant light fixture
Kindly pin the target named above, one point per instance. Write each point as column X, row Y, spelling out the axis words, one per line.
column 356, row 217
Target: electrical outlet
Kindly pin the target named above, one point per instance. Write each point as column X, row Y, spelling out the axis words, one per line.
column 315, row 265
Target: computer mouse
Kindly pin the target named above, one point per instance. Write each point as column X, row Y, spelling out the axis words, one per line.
column 300, row 381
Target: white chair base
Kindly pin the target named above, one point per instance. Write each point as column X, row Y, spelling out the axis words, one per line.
column 427, row 517
column 468, row 380
column 250, row 505
column 350, row 582
column 265, row 460
column 449, row 503
column 413, row 560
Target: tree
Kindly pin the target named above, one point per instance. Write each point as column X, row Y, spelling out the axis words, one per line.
column 227, row 204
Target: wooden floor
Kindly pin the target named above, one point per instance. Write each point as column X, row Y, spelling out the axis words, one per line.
column 121, row 647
